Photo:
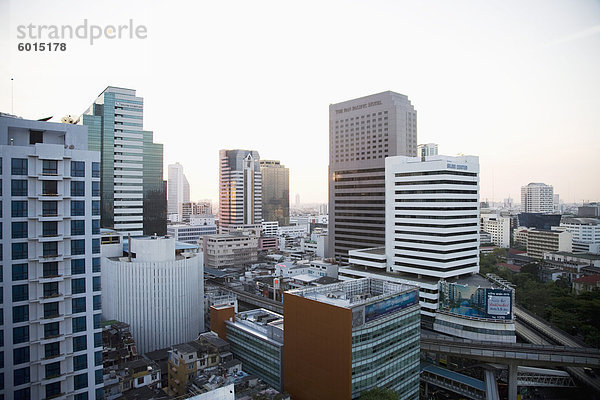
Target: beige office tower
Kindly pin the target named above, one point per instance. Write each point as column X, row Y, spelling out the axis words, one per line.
column 362, row 133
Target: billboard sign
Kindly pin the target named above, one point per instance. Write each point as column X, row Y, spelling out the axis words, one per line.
column 476, row 302
column 390, row 305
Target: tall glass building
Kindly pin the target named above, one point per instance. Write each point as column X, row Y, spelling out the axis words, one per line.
column 133, row 193
column 275, row 192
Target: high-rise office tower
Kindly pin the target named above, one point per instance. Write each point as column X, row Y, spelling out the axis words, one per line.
column 275, row 192
column 240, row 189
column 537, row 198
column 178, row 189
column 362, row 132
column 50, row 335
column 133, row 193
column 432, row 215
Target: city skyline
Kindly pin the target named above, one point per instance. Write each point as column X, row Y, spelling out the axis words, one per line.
column 517, row 88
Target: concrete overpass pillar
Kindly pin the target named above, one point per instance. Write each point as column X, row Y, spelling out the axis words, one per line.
column 512, row 381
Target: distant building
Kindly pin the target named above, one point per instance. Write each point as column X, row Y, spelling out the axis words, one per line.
column 520, row 236
column 133, row 193
column 586, row 284
column 498, row 227
column 591, row 210
column 537, row 198
column 178, row 188
column 328, row 327
column 362, row 133
column 270, row 228
column 240, row 189
column 191, row 233
column 538, row 220
column 426, row 150
column 541, row 241
column 157, row 287
column 275, row 192
column 235, row 249
column 586, row 234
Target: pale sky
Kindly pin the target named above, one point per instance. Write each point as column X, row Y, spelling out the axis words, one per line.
column 515, row 82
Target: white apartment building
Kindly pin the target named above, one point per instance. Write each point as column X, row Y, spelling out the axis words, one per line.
column 157, row 288
column 537, row 198
column 432, row 215
column 586, row 234
column 270, row 228
column 178, row 188
column 544, row 241
column 293, row 231
column 192, row 232
column 498, row 227
column 50, row 291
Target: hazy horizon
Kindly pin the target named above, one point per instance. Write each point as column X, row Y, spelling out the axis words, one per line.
column 515, row 83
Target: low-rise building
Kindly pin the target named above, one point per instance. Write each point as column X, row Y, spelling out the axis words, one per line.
column 586, row 234
column 586, row 284
column 498, row 227
column 235, row 249
column 548, row 241
column 190, row 233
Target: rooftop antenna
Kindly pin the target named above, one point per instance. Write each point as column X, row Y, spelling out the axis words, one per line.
column 12, row 96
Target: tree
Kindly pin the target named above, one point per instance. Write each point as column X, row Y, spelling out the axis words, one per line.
column 379, row 394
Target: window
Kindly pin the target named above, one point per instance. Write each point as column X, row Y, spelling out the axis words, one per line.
column 19, row 230
column 50, row 289
column 77, row 168
column 97, row 302
column 95, row 265
column 49, row 208
column 36, row 137
column 19, row 272
column 83, row 396
column 95, row 170
column 99, row 377
column 51, row 330
column 78, row 324
column 81, row 381
column 95, row 246
column 21, row 355
column 52, row 370
column 50, row 269
column 78, row 304
column 49, row 167
column 52, row 350
column 21, row 313
column 97, row 321
column 96, row 286
column 80, row 362
column 21, row 376
column 95, row 207
column 79, row 343
column 99, row 393
column 140, row 380
column 50, row 188
column 98, row 339
column 77, row 208
column 77, row 247
column 77, row 188
column 95, row 227
column 20, row 293
column 51, row 310
column 20, row 334
column 78, row 286
column 19, row 166
column 19, row 251
column 98, row 357
column 22, row 394
column 49, row 228
column 95, row 189
column 77, row 227
column 18, row 208
column 78, row 266
column 52, row 389
column 18, row 187
column 50, row 249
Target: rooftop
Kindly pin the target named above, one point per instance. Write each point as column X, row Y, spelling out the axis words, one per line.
column 349, row 294
column 590, row 279
column 580, row 221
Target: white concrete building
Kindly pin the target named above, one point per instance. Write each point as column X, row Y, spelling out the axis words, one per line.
column 51, row 338
column 586, row 234
column 432, row 215
column 190, row 233
column 159, row 292
column 178, row 188
column 293, row 231
column 427, row 149
column 270, row 228
column 498, row 227
column 537, row 198
column 543, row 241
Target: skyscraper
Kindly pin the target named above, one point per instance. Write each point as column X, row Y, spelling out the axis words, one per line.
column 275, row 192
column 240, row 189
column 362, row 132
column 133, row 193
column 537, row 198
column 50, row 336
column 178, row 189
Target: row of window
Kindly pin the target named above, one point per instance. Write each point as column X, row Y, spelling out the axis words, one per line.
column 20, row 251
column 50, row 208
column 19, row 166
column 21, row 293
column 52, row 330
